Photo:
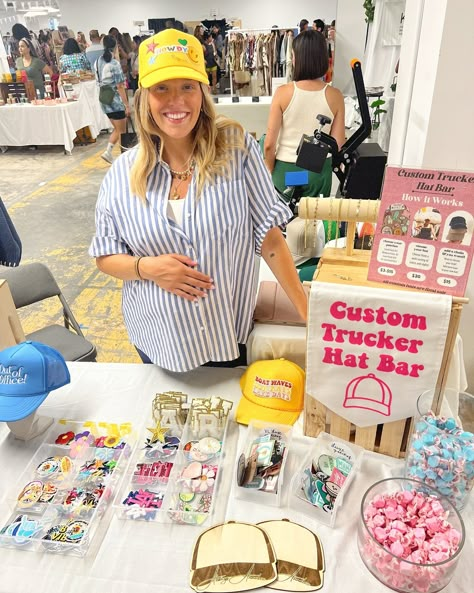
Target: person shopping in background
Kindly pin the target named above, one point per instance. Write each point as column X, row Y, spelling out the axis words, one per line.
column 181, row 217
column 34, row 67
column 73, row 58
column 293, row 113
column 120, row 50
column 108, row 72
column 210, row 57
column 81, row 41
column 133, row 57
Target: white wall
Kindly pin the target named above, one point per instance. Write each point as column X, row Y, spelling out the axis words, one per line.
column 84, row 15
column 351, row 30
column 438, row 132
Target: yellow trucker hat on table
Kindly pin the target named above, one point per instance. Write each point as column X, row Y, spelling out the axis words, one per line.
column 273, row 391
column 169, row 55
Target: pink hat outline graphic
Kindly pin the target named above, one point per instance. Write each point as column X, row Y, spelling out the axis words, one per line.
column 381, row 405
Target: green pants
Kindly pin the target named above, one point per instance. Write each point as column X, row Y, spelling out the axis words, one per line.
column 319, row 184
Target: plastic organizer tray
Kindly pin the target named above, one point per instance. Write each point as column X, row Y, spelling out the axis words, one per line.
column 333, row 464
column 260, row 488
column 57, row 504
column 174, row 481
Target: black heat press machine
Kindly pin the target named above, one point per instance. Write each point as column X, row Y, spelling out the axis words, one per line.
column 359, row 166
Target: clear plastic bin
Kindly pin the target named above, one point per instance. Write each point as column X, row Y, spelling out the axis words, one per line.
column 264, row 479
column 183, row 493
column 324, row 477
column 57, row 503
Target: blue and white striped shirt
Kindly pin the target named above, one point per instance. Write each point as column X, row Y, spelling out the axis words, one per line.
column 222, row 231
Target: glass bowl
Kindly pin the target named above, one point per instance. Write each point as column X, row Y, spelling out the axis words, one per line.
column 441, row 449
column 397, row 573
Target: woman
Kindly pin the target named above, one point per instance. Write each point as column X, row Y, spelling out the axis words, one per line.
column 199, row 32
column 121, row 52
column 20, row 32
column 180, row 218
column 34, row 67
column 293, row 113
column 81, row 41
column 46, row 44
column 210, row 57
column 73, row 58
column 133, row 57
column 109, row 73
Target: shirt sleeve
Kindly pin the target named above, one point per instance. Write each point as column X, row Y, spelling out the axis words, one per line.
column 40, row 64
column 266, row 209
column 117, row 72
column 107, row 239
column 85, row 65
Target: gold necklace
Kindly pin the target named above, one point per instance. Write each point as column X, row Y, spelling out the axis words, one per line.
column 183, row 175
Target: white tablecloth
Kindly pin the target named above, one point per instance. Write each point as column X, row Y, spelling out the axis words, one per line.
column 88, row 92
column 22, row 125
column 139, row 557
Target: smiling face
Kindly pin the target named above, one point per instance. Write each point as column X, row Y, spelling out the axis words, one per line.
column 175, row 106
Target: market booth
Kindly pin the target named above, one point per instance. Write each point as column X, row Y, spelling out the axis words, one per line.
column 54, row 122
column 150, row 543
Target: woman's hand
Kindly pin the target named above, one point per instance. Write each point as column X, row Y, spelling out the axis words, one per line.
column 175, row 273
column 127, row 110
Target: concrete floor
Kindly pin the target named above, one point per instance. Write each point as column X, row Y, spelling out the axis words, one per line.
column 51, row 199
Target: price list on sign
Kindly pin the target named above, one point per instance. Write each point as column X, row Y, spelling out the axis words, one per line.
column 424, row 234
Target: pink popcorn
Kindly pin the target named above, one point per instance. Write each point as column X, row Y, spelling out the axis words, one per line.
column 411, row 537
column 397, row 549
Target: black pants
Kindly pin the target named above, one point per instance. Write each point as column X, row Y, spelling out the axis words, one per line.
column 241, row 360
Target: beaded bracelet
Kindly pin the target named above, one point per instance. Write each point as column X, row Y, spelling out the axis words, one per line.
column 137, row 269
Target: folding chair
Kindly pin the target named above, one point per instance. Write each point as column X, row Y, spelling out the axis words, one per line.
column 31, row 283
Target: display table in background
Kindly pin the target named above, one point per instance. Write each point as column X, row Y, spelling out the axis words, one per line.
column 24, row 125
column 252, row 116
column 139, row 557
column 88, row 93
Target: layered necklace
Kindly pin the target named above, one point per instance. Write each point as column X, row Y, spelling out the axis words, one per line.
column 181, row 176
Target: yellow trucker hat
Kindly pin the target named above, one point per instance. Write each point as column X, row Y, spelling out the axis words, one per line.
column 272, row 390
column 168, row 55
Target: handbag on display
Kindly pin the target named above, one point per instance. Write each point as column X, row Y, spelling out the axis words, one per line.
column 128, row 139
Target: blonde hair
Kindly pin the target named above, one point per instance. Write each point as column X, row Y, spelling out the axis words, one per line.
column 214, row 138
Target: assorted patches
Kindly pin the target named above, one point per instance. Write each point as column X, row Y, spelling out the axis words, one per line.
column 72, row 532
column 150, row 473
column 83, row 499
column 260, row 468
column 202, row 450
column 197, row 477
column 54, row 467
column 22, row 529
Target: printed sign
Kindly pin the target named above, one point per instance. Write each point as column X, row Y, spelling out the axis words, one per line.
column 373, row 351
column 424, row 230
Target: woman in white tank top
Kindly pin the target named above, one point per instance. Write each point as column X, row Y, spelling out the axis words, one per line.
column 293, row 113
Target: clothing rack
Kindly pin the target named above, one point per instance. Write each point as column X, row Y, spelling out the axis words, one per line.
column 261, row 30
column 264, row 30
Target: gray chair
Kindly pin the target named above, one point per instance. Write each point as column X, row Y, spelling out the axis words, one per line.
column 31, row 283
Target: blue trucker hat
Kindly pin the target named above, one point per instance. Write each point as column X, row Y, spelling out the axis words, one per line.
column 28, row 372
